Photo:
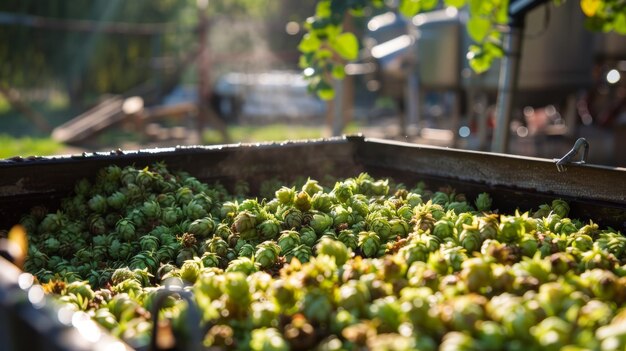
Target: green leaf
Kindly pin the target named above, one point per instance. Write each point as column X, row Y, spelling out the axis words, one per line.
column 479, row 60
column 346, row 45
column 428, row 5
column 478, row 28
column 493, row 50
column 455, row 3
column 338, row 72
column 409, row 8
column 619, row 25
column 357, row 12
column 323, row 54
column 309, row 43
column 323, row 9
column 502, row 16
column 306, row 60
column 325, row 91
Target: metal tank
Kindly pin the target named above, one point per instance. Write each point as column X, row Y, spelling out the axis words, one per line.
column 552, row 63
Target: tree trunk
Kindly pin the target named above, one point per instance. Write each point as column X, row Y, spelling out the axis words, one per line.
column 16, row 102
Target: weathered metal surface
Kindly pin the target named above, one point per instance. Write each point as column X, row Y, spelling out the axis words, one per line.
column 596, row 192
column 510, row 179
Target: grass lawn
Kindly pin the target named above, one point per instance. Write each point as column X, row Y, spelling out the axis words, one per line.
column 27, row 146
column 272, row 132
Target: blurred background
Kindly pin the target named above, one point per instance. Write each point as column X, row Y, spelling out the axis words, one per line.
column 100, row 75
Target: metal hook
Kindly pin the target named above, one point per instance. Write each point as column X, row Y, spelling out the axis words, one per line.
column 568, row 158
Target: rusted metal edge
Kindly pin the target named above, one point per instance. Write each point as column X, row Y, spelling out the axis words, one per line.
column 592, row 182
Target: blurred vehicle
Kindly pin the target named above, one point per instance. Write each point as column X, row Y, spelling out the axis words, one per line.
column 265, row 96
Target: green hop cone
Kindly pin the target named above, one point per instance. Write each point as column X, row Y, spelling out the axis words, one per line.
column 317, row 305
column 149, row 243
column 269, row 229
column 308, row 236
column 342, row 191
column 267, row 339
column 245, row 225
column 288, row 240
column 264, row 314
column 348, row 238
column 388, row 312
column 335, row 249
column 440, row 198
column 98, row 204
column 529, row 245
column 194, row 210
column 210, row 259
column 321, row 202
column 126, row 230
column 284, row 293
column 398, row 228
column 342, row 215
column 512, row 229
column 459, row 207
column 415, row 251
column 302, row 252
column 353, row 296
column 302, row 201
column 580, row 241
column 488, row 226
column 477, row 273
column 217, row 246
column 292, row 218
column 454, row 256
column 413, row 199
column 483, row 202
column 380, row 226
column 117, row 200
column 597, row 258
column 470, row 238
column 312, row 187
column 202, row 227
column 369, row 243
column 359, row 203
column 246, row 250
column 190, row 270
column 121, row 274
column 552, row 333
column 565, row 226
column 80, row 288
column 171, row 215
column 458, row 341
column 166, row 200
column 560, row 207
column 229, row 209
column 267, row 254
column 242, row 264
column 320, row 222
column 151, row 209
column 286, row 195
column 443, row 229
column 105, row 318
column 223, row 231
column 405, row 212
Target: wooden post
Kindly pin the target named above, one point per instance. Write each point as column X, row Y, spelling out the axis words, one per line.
column 205, row 113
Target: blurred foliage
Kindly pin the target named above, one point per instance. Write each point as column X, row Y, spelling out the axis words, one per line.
column 326, row 46
column 605, row 15
column 88, row 63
